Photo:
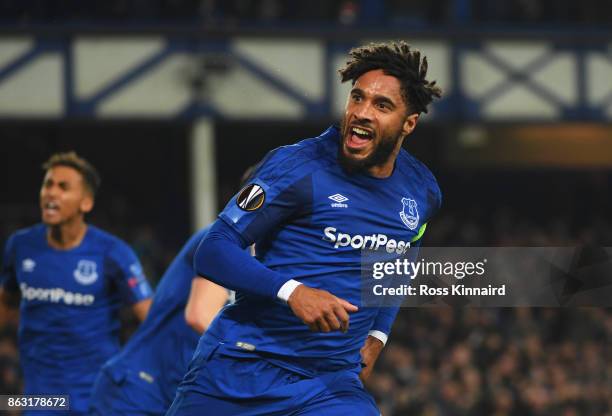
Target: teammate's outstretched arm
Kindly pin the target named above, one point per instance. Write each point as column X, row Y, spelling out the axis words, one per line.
column 221, row 257
column 205, row 300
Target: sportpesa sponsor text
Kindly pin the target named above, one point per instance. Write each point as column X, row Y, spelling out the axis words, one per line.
column 369, row 242
column 55, row 295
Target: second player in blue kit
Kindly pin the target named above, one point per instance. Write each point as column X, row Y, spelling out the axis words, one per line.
column 295, row 340
column 73, row 279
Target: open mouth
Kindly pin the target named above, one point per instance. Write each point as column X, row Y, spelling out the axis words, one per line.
column 50, row 208
column 359, row 137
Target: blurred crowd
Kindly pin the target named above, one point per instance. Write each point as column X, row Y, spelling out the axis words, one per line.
column 496, row 362
column 505, row 227
column 399, row 13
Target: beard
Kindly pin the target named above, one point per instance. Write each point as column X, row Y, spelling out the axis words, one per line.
column 379, row 155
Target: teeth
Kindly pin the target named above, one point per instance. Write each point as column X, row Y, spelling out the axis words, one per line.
column 51, row 205
column 361, row 131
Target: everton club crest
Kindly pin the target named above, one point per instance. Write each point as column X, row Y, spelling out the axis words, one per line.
column 409, row 213
column 86, row 273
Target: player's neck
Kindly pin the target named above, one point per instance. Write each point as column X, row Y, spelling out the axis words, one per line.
column 68, row 235
column 382, row 171
column 386, row 169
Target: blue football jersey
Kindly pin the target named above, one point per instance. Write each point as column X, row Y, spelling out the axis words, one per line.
column 310, row 220
column 69, row 312
column 159, row 351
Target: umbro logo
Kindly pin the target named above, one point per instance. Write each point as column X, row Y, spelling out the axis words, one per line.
column 339, row 201
column 338, row 198
column 28, row 265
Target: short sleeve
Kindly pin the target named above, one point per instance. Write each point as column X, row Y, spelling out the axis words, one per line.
column 126, row 271
column 281, row 188
column 8, row 276
column 435, row 199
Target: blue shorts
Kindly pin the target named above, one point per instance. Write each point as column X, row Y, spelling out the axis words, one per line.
column 220, row 382
column 119, row 392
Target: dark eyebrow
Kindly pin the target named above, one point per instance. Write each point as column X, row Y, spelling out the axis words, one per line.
column 385, row 100
column 377, row 98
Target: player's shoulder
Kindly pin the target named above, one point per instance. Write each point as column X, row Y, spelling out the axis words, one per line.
column 27, row 235
column 300, row 158
column 411, row 166
column 109, row 243
column 414, row 169
column 307, row 149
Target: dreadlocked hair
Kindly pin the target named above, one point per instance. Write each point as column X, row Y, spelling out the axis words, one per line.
column 398, row 60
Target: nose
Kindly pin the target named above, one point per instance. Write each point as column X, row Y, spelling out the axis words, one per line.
column 364, row 111
column 49, row 191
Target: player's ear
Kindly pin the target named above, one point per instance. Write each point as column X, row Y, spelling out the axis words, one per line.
column 410, row 123
column 87, row 203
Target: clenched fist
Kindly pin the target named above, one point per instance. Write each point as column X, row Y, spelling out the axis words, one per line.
column 320, row 310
